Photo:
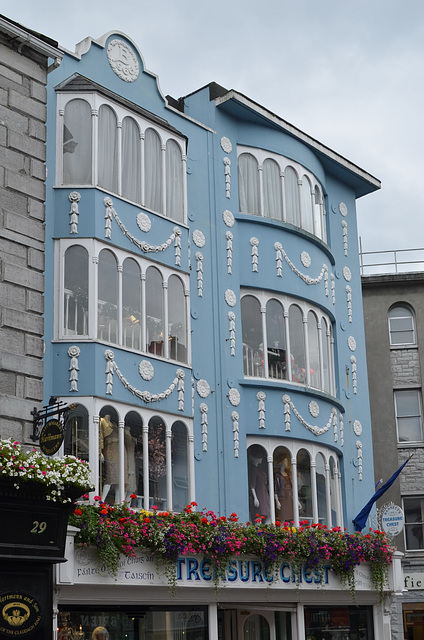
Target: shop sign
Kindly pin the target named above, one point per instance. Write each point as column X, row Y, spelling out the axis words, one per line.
column 51, row 437
column 19, row 614
column 392, row 519
column 413, row 581
column 194, row 571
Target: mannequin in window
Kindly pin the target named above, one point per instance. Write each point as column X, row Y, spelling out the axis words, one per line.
column 258, row 485
column 283, row 489
column 109, row 456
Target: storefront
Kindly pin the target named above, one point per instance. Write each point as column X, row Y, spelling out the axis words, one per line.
column 250, row 604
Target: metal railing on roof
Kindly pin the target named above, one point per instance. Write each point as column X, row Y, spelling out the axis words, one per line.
column 390, row 261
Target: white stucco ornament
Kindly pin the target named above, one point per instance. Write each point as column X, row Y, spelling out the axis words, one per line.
column 305, row 259
column 198, row 238
column 357, row 428
column 203, row 388
column 347, row 274
column 123, row 60
column 143, row 221
column 351, row 343
column 343, row 209
column 146, row 370
column 314, row 409
column 228, row 218
column 226, row 144
column 234, row 397
column 230, row 298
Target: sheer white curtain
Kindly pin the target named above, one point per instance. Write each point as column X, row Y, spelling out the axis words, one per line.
column 248, row 175
column 174, row 182
column 307, row 210
column 177, row 320
column 314, row 359
column 152, row 171
column 108, row 149
column 131, row 160
column 297, row 344
column 131, row 304
column 292, row 202
column 107, row 303
column 318, row 220
column 273, row 199
column 154, row 311
column 77, row 148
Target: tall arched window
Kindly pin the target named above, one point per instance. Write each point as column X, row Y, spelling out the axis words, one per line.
column 333, row 492
column 248, row 178
column 131, row 304
column 110, row 463
column 180, row 486
column 319, row 226
column 321, row 489
column 304, row 489
column 307, row 207
column 157, row 463
column 273, row 197
column 259, row 491
column 131, row 160
column 75, row 302
column 107, row 304
column 77, row 148
column 154, row 312
column 297, row 345
column 152, row 171
column 283, row 487
column 326, row 350
column 108, row 149
column 276, row 340
column 133, row 456
column 401, row 325
column 292, row 200
column 313, row 347
column 251, row 320
column 174, row 182
column 76, row 441
column 177, row 320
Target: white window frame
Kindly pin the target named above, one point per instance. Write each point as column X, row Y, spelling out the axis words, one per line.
column 393, row 331
column 95, row 100
column 261, row 155
column 418, row 415
column 408, row 524
column 94, row 247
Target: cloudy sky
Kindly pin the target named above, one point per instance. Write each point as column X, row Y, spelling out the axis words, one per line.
column 348, row 72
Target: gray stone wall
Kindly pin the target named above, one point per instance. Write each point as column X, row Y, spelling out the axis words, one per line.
column 22, row 192
column 405, row 367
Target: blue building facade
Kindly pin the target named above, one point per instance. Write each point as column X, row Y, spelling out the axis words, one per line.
column 205, row 312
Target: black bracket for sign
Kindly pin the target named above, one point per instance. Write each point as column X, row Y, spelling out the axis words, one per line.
column 55, row 408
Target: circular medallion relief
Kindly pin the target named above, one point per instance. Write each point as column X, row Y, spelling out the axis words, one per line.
column 314, row 409
column 305, row 259
column 143, row 221
column 343, row 209
column 357, row 428
column 347, row 274
column 123, row 60
column 203, row 388
column 351, row 343
column 146, row 370
column 228, row 218
column 234, row 397
column 230, row 298
column 226, row 144
column 198, row 238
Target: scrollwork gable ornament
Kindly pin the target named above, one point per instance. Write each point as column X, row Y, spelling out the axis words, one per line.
column 123, row 60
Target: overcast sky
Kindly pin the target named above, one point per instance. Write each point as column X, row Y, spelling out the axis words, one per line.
column 348, row 72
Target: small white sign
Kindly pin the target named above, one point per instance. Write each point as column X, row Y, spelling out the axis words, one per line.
column 392, row 520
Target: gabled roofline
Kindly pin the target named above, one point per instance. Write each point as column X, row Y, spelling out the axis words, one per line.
column 322, row 149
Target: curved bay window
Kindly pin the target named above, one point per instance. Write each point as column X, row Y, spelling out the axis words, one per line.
column 275, row 187
column 275, row 326
column 293, row 482
column 107, row 145
column 139, row 306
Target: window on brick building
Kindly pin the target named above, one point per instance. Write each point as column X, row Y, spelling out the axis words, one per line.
column 414, row 522
column 401, row 326
column 408, row 411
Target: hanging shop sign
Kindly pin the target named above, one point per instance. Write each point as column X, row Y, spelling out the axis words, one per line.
column 392, row 519
column 51, row 437
column 20, row 614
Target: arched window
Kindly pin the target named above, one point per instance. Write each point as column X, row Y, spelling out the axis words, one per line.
column 326, row 351
column 133, row 457
column 292, row 200
column 333, row 492
column 273, row 198
column 131, row 160
column 259, row 502
column 401, row 325
column 108, row 149
column 307, row 207
column 157, row 463
column 174, row 182
column 318, row 219
column 76, row 433
column 304, row 488
column 276, row 340
column 251, row 320
column 283, row 486
column 152, row 171
column 321, row 489
column 131, row 304
column 75, row 301
column 248, row 178
column 77, row 149
column 180, row 486
column 154, row 311
column 109, row 460
column 297, row 345
column 313, row 347
column 107, row 308
column 177, row 320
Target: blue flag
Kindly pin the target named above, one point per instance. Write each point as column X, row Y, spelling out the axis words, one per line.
column 362, row 516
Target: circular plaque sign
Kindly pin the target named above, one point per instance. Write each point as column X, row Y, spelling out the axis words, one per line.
column 51, row 437
column 392, row 520
column 19, row 614
column 123, row 60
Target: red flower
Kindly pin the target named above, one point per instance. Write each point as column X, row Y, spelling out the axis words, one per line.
column 277, row 523
column 146, row 519
column 133, row 496
column 78, row 512
column 103, row 511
